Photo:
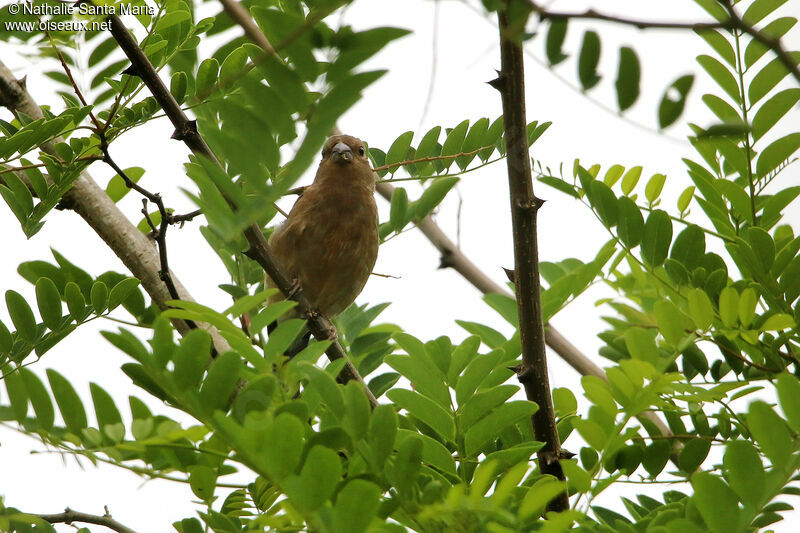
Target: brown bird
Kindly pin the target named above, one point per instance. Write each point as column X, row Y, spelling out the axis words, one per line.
column 329, row 242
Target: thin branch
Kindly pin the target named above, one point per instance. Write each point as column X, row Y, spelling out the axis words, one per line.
column 92, row 204
column 432, row 158
column 186, row 131
column 734, row 21
column 69, row 516
column 532, row 372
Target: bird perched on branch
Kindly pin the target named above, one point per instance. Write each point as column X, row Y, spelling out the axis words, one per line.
column 329, row 242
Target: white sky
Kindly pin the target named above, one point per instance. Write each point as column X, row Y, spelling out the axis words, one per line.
column 426, row 301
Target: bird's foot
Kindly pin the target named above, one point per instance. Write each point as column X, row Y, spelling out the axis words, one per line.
column 295, row 289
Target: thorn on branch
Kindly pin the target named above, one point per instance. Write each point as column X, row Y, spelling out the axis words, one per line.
column 131, row 71
column 534, row 204
column 511, row 274
column 445, row 261
column 499, row 82
column 189, row 129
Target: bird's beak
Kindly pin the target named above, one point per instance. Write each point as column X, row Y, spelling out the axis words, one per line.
column 341, row 152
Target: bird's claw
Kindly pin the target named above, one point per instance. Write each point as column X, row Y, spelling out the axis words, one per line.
column 295, row 289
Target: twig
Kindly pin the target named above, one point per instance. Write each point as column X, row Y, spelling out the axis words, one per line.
column 180, row 219
column 432, row 158
column 532, row 372
column 69, row 516
column 734, row 21
column 186, row 131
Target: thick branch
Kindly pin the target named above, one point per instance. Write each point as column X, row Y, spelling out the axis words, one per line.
column 69, row 516
column 260, row 251
column 532, row 372
column 87, row 199
column 733, row 22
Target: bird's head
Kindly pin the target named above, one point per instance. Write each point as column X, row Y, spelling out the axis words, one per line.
column 345, row 150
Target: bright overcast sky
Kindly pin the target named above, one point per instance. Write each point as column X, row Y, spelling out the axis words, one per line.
column 451, row 54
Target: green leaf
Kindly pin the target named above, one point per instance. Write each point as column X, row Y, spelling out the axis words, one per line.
column 747, row 306
column 190, row 358
column 693, row 454
column 433, row 196
column 381, row 434
column 99, row 296
column 40, row 399
column 203, row 481
column 745, row 471
column 630, row 227
column 21, row 315
column 605, row 203
column 426, row 410
column 6, row 340
column 772, row 110
column 778, row 322
column 318, row 478
column 357, row 410
column 719, row 42
column 776, row 153
column 107, row 413
column 763, row 247
column 120, row 292
column 116, row 188
column 729, row 306
column 539, row 495
column 489, row 427
column 716, row 502
column 398, row 212
column 555, row 41
column 403, row 472
column 483, row 402
column 474, row 140
column 672, row 323
column 630, row 179
column 588, row 60
column 17, row 394
column 286, row 437
column 768, row 77
column 48, row 300
column 69, row 403
column 689, row 247
column 654, row 187
column 613, row 174
column 425, row 148
column 788, row 388
column 656, row 238
column 223, row 375
column 419, row 369
column 674, row 100
column 759, row 9
column 700, row 309
column 770, row 433
column 721, row 75
column 685, row 198
column 326, row 387
column 628, row 78
column 207, row 74
column 454, row 141
column 356, row 506
column 75, row 301
column 775, row 29
column 399, row 150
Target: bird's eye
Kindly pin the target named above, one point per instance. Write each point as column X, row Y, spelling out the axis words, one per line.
column 360, row 150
